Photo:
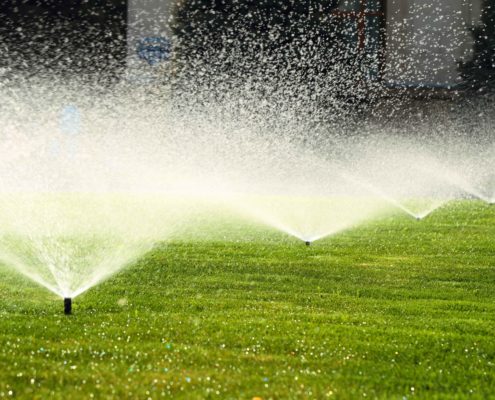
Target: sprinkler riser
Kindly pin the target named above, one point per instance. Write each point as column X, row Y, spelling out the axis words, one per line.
column 67, row 306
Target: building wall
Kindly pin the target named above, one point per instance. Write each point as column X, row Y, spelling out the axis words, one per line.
column 146, row 19
column 426, row 40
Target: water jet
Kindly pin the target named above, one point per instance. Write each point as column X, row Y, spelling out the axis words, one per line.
column 67, row 306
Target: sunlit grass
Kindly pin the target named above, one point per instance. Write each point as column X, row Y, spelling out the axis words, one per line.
column 396, row 309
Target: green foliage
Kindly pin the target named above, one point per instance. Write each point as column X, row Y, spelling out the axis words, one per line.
column 479, row 72
column 396, row 309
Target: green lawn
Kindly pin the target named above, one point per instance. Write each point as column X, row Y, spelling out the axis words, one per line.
column 395, row 309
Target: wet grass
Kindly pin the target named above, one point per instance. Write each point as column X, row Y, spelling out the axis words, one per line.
column 396, row 309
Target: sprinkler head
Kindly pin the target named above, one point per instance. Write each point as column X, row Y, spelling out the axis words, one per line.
column 308, row 243
column 418, row 218
column 67, row 306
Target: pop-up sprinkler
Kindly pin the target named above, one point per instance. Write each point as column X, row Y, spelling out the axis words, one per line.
column 308, row 243
column 67, row 306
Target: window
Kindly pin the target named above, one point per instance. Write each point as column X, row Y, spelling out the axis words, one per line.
column 361, row 28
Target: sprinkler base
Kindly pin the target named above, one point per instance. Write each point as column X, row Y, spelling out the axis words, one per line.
column 67, row 306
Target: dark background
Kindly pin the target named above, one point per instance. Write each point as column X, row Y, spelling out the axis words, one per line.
column 89, row 36
column 68, row 36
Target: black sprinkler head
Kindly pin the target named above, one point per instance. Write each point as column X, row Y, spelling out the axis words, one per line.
column 308, row 243
column 67, row 306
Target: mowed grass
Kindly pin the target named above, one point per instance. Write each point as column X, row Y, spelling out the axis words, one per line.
column 395, row 309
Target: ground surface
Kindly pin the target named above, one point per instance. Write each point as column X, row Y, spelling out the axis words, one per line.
column 396, row 309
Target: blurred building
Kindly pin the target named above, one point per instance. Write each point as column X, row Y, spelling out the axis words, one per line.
column 408, row 43
column 425, row 40
column 411, row 43
column 148, row 34
column 415, row 43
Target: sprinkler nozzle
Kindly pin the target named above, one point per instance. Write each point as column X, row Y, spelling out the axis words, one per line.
column 67, row 306
column 418, row 218
column 308, row 243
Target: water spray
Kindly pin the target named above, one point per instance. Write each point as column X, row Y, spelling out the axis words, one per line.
column 67, row 306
